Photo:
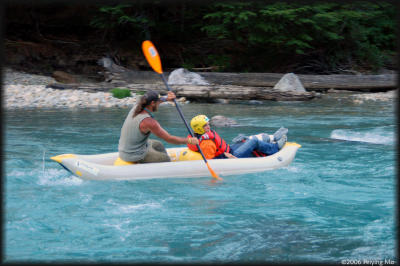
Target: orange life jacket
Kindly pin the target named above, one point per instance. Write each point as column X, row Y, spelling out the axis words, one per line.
column 222, row 146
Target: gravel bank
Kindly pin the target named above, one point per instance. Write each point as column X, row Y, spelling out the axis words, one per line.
column 379, row 96
column 23, row 90
column 37, row 96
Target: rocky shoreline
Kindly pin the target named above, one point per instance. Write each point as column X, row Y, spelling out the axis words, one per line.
column 23, row 90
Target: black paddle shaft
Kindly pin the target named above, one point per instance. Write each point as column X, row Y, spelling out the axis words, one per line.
column 183, row 118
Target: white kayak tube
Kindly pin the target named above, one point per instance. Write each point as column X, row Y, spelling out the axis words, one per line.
column 101, row 166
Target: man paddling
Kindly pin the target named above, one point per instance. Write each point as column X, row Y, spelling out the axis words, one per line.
column 134, row 143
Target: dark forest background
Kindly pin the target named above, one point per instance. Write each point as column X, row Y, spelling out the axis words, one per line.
column 320, row 37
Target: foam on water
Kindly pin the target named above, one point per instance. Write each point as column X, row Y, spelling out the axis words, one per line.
column 46, row 177
column 293, row 169
column 375, row 136
column 58, row 177
column 132, row 208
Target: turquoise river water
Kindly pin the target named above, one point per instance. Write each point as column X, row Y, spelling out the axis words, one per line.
column 336, row 202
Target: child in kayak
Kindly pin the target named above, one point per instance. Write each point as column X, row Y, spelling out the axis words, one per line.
column 215, row 147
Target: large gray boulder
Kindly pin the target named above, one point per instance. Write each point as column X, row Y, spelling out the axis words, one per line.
column 289, row 82
column 222, row 121
column 183, row 76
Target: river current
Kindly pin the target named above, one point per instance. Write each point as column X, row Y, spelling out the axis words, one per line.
column 334, row 203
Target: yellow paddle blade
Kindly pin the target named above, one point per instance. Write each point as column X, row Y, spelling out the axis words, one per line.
column 152, row 56
column 213, row 174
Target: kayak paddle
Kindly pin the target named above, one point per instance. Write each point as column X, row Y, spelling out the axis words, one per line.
column 153, row 58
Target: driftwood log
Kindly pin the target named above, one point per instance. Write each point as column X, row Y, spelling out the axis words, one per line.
column 364, row 83
column 382, row 82
column 203, row 92
column 233, row 92
column 234, row 86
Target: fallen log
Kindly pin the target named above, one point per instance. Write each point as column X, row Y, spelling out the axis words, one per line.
column 369, row 83
column 363, row 83
column 231, row 92
column 202, row 92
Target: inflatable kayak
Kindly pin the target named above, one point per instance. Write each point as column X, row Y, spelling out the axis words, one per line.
column 184, row 163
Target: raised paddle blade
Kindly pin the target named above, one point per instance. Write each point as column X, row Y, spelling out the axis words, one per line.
column 152, row 56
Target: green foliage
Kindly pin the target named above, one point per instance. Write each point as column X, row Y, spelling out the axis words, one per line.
column 231, row 19
column 258, row 35
column 188, row 65
column 121, row 16
column 358, row 31
column 221, row 61
column 120, row 93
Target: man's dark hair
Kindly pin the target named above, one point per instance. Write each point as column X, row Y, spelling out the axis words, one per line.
column 145, row 100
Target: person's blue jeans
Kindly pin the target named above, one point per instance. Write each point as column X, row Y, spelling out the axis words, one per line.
column 245, row 149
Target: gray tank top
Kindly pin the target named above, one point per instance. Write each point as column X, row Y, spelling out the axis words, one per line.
column 133, row 144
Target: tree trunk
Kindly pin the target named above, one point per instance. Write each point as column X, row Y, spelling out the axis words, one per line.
column 203, row 92
column 368, row 83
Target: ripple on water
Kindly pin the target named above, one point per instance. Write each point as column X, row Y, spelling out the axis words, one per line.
column 335, row 201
